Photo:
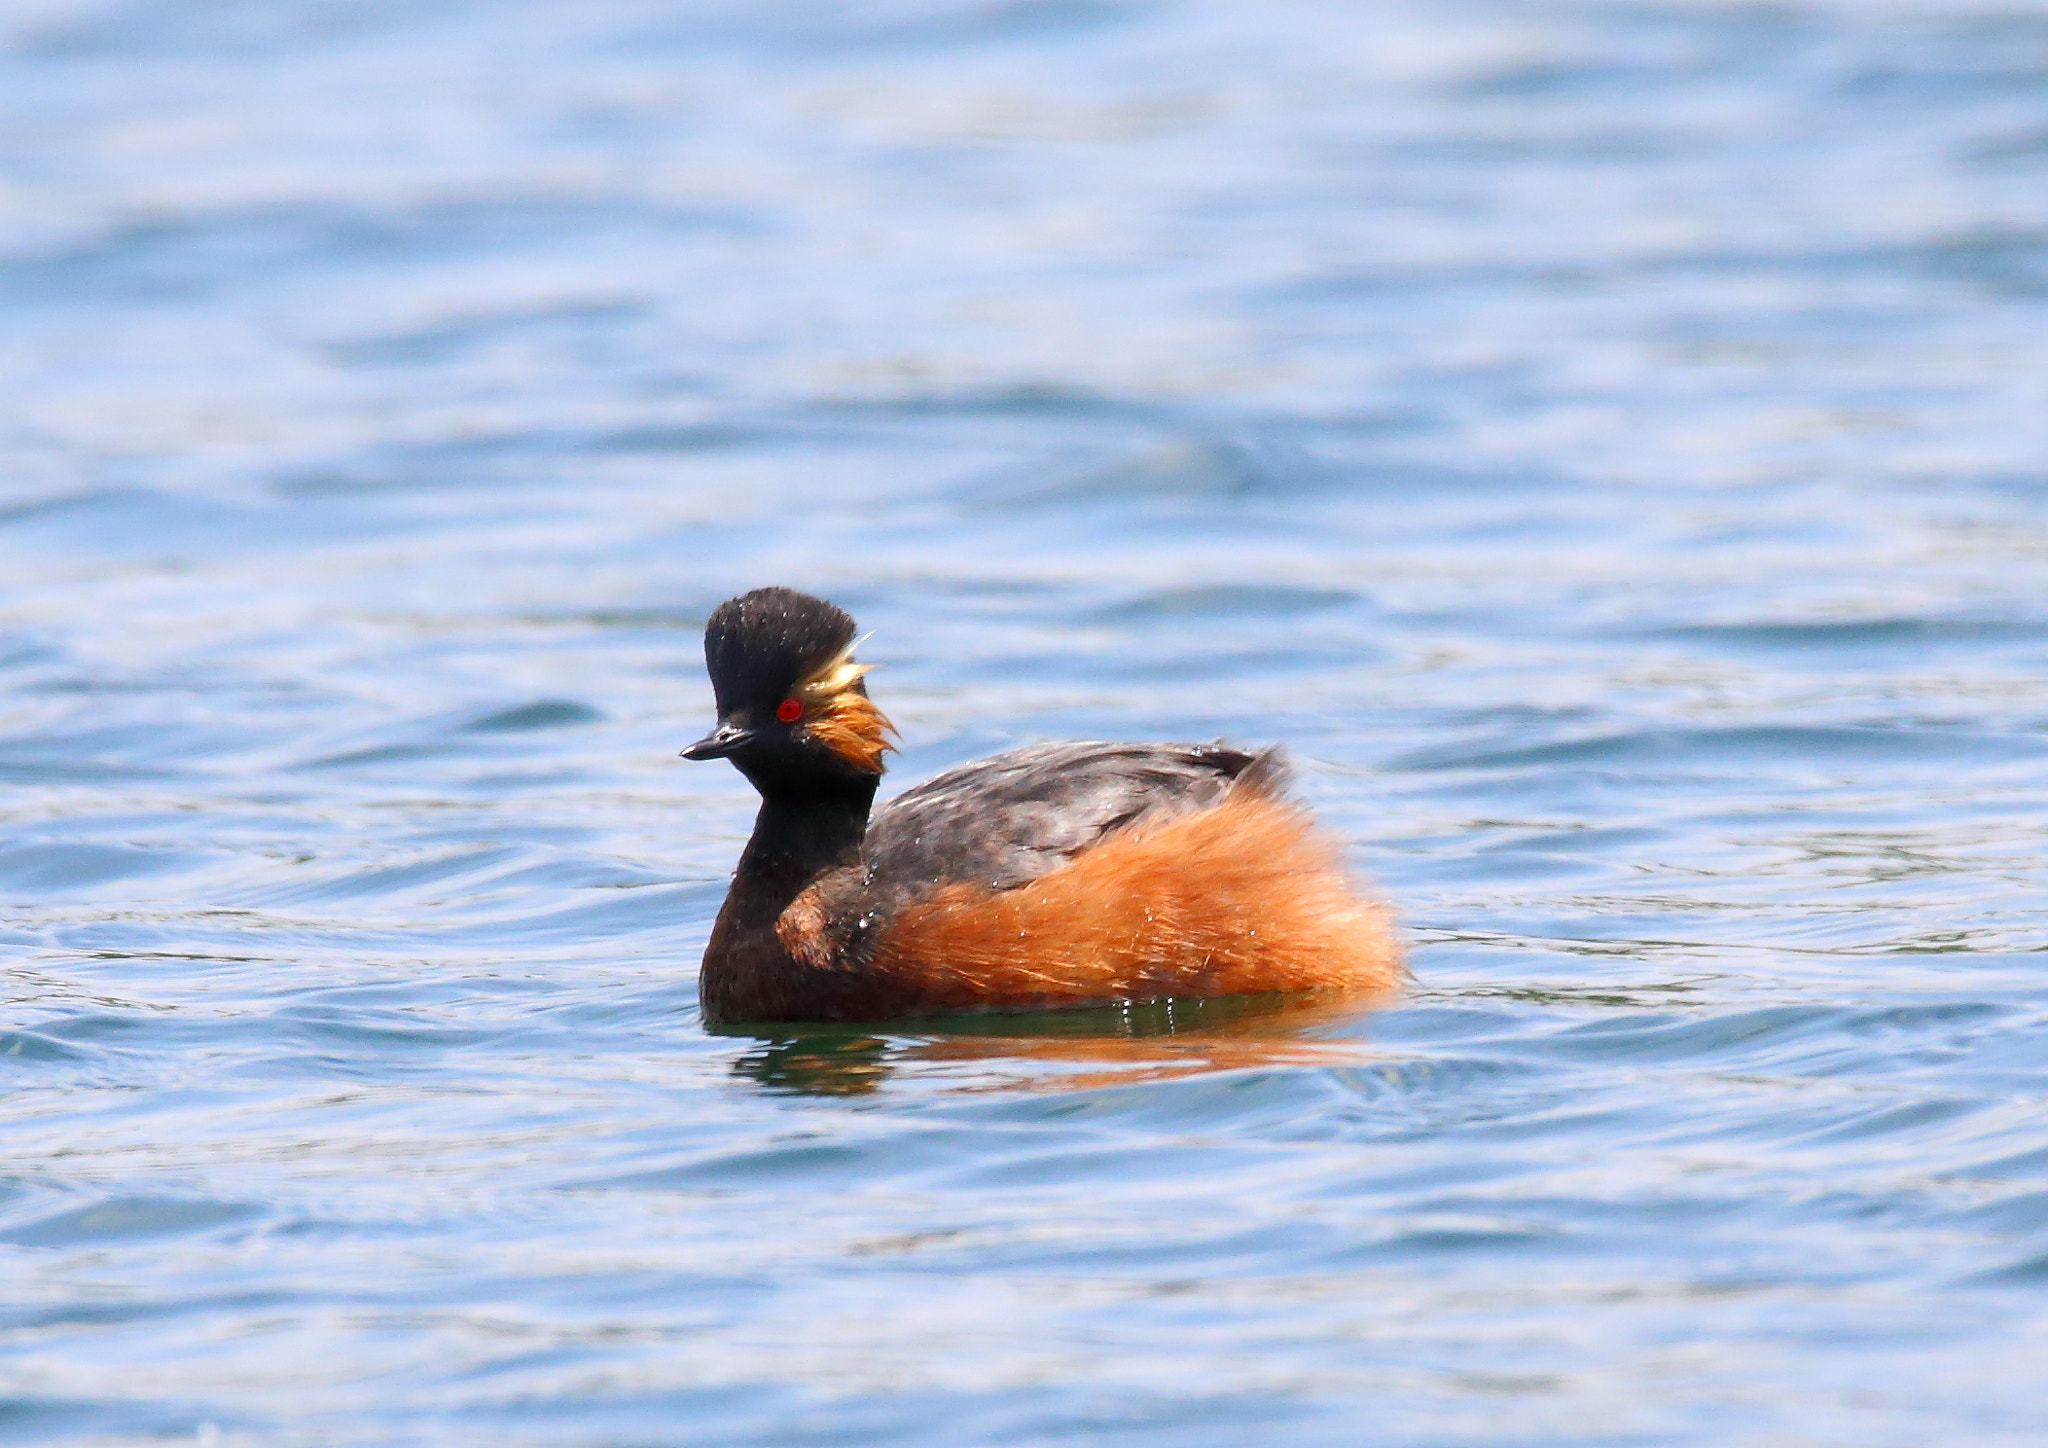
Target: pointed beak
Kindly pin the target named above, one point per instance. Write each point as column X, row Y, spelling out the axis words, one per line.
column 720, row 742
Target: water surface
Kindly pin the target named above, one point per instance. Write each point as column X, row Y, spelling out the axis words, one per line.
column 1603, row 441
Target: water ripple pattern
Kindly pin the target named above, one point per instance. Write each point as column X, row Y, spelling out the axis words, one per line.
column 1603, row 439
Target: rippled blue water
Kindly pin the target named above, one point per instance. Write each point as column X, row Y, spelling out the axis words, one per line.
column 1603, row 440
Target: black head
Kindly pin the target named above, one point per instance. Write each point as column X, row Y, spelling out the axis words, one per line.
column 759, row 645
column 792, row 710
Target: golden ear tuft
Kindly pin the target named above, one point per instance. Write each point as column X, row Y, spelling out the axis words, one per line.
column 835, row 678
column 842, row 717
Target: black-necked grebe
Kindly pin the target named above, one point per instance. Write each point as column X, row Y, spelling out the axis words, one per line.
column 1058, row 875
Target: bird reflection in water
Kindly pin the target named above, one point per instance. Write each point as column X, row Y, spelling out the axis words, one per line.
column 1065, row 1050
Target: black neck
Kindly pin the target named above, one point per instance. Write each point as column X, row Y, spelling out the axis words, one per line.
column 798, row 837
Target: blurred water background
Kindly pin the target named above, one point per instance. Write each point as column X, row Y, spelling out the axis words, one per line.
column 1604, row 439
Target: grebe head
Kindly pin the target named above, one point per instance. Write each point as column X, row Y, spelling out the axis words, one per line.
column 793, row 711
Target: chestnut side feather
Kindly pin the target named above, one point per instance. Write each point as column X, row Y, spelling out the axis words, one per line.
column 1245, row 897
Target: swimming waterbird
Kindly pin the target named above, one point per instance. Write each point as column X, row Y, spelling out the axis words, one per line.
column 1056, row 875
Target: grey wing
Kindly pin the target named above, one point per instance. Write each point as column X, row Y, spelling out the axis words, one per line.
column 1006, row 820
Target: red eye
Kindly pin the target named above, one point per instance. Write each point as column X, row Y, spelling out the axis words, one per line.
column 789, row 711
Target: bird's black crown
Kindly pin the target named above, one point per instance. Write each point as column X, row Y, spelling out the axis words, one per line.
column 759, row 645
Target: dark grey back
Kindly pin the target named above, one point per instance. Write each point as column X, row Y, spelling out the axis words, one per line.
column 1008, row 819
